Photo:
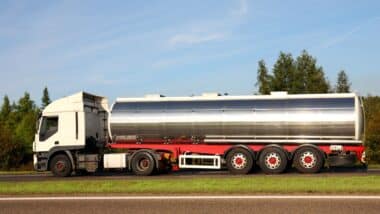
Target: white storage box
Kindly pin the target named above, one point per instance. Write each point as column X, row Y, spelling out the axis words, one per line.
column 115, row 160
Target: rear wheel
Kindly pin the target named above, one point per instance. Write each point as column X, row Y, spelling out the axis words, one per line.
column 239, row 161
column 273, row 160
column 143, row 163
column 308, row 160
column 60, row 166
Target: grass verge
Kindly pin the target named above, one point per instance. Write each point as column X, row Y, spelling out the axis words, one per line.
column 234, row 185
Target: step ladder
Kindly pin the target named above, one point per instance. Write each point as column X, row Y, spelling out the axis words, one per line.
column 199, row 161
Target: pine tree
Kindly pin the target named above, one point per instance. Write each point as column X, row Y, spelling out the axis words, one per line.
column 304, row 64
column 316, row 81
column 342, row 85
column 45, row 98
column 25, row 104
column 25, row 117
column 283, row 73
column 302, row 75
column 263, row 79
column 309, row 77
column 5, row 109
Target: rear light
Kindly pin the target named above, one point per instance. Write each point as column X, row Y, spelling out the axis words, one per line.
column 363, row 158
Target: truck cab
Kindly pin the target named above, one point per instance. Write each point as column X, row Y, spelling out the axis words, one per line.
column 68, row 127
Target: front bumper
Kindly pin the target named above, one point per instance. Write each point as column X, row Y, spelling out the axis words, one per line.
column 40, row 162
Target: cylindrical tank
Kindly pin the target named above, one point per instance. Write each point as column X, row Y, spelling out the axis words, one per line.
column 318, row 116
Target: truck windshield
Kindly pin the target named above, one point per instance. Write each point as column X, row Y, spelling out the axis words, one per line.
column 49, row 127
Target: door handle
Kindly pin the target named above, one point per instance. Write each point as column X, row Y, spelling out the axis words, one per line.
column 56, row 142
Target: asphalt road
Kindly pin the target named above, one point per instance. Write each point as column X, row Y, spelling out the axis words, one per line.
column 268, row 205
column 183, row 174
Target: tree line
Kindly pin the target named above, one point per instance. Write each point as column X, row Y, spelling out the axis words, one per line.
column 17, row 129
column 304, row 75
column 298, row 76
column 372, row 127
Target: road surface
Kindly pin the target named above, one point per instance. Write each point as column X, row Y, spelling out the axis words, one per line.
column 183, row 174
column 193, row 204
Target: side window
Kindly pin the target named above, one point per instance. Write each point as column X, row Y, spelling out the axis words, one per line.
column 49, row 127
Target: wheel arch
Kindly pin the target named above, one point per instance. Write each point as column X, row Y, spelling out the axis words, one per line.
column 61, row 152
column 324, row 155
column 287, row 153
column 240, row 146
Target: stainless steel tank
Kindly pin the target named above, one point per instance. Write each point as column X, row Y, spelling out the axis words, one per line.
column 266, row 118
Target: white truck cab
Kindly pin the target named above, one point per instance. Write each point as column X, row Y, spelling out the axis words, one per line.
column 74, row 123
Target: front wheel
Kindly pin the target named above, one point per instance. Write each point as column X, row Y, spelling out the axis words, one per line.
column 239, row 161
column 60, row 166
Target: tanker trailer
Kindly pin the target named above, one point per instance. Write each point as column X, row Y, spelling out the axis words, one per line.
column 234, row 132
column 234, row 119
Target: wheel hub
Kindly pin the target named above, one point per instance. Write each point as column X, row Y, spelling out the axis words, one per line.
column 272, row 160
column 60, row 166
column 239, row 161
column 143, row 163
column 308, row 159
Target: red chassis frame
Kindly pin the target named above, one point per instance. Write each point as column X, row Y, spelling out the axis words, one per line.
column 181, row 146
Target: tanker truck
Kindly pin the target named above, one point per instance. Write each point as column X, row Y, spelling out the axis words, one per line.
column 152, row 134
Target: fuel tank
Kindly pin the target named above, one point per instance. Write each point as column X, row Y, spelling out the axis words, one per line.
column 309, row 116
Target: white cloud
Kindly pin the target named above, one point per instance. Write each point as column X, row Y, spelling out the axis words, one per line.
column 202, row 32
column 195, row 59
column 346, row 35
column 242, row 10
column 211, row 31
column 193, row 38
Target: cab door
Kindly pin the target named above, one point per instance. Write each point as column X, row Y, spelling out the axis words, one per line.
column 48, row 135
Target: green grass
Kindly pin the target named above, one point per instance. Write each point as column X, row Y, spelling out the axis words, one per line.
column 233, row 185
column 374, row 166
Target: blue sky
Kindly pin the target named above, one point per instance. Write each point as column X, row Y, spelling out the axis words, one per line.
column 132, row 48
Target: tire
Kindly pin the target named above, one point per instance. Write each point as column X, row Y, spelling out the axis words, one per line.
column 239, row 161
column 60, row 166
column 289, row 166
column 308, row 160
column 273, row 160
column 143, row 164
